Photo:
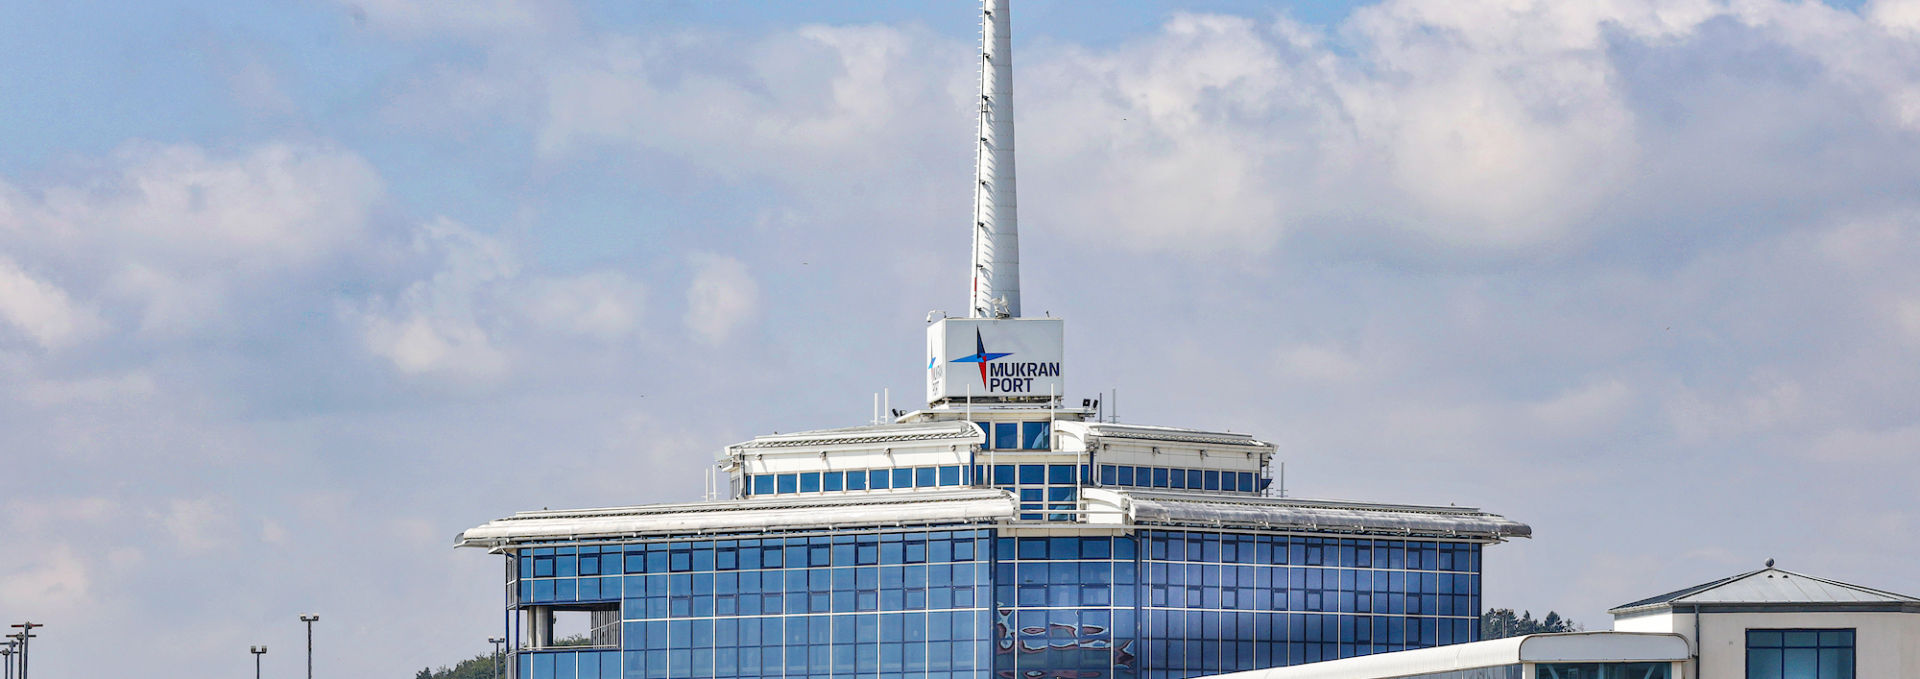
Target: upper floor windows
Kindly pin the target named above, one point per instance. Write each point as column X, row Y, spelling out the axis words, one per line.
column 1184, row 479
column 858, row 479
column 1017, row 435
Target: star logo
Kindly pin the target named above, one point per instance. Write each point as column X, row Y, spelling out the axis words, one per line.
column 980, row 356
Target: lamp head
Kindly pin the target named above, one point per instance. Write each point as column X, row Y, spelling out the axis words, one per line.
column 309, row 618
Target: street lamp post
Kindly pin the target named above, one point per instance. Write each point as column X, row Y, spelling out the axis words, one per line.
column 25, row 633
column 6, row 658
column 257, row 652
column 496, row 641
column 309, row 619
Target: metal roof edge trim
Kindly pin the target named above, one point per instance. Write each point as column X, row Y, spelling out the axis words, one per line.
column 1361, row 505
column 1785, row 607
column 913, row 431
column 993, row 507
column 1183, row 511
column 871, row 498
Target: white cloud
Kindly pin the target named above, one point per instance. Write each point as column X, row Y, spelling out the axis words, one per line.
column 1857, row 447
column 1583, row 409
column 195, row 524
column 1898, row 15
column 435, row 326
column 604, row 305
column 476, row 308
column 825, row 93
column 178, row 207
column 177, row 232
column 47, row 579
column 493, row 19
column 42, row 310
column 1319, row 363
column 721, row 299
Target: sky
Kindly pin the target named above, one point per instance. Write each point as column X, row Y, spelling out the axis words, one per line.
column 292, row 293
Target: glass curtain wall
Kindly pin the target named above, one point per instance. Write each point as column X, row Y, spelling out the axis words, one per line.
column 970, row 604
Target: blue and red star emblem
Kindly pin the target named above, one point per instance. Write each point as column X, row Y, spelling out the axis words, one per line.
column 980, row 356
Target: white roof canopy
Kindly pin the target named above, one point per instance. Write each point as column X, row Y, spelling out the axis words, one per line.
column 989, row 506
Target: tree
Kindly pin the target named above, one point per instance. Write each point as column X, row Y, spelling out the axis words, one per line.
column 477, row 667
column 1500, row 623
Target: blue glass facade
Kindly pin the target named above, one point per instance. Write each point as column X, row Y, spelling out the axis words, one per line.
column 947, row 604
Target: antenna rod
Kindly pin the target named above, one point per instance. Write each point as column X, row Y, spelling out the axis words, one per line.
column 996, row 230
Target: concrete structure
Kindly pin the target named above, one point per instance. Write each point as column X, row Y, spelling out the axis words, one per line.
column 1779, row 624
column 1575, row 655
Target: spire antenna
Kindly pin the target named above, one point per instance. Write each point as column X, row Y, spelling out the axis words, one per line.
column 996, row 230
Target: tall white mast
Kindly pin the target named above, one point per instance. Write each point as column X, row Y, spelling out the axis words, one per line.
column 996, row 232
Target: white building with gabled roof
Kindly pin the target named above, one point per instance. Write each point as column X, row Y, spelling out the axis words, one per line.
column 1778, row 624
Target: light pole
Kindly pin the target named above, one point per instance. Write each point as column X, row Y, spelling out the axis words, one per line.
column 309, row 619
column 496, row 641
column 6, row 658
column 25, row 633
column 257, row 652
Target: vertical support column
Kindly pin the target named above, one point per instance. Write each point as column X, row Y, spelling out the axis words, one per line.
column 539, row 626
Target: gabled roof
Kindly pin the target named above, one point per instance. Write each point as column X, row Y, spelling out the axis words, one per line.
column 1774, row 587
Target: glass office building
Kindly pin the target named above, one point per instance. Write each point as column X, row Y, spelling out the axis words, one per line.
column 998, row 532
column 953, row 583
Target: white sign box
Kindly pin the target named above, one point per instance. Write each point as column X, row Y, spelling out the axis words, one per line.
column 1000, row 358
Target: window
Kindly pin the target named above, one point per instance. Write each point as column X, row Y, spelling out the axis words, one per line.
column 1006, row 435
column 1799, row 654
column 1034, row 435
column 831, row 481
column 810, row 482
column 1604, row 670
column 788, row 483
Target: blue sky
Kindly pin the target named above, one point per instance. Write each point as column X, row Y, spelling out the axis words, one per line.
column 291, row 293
